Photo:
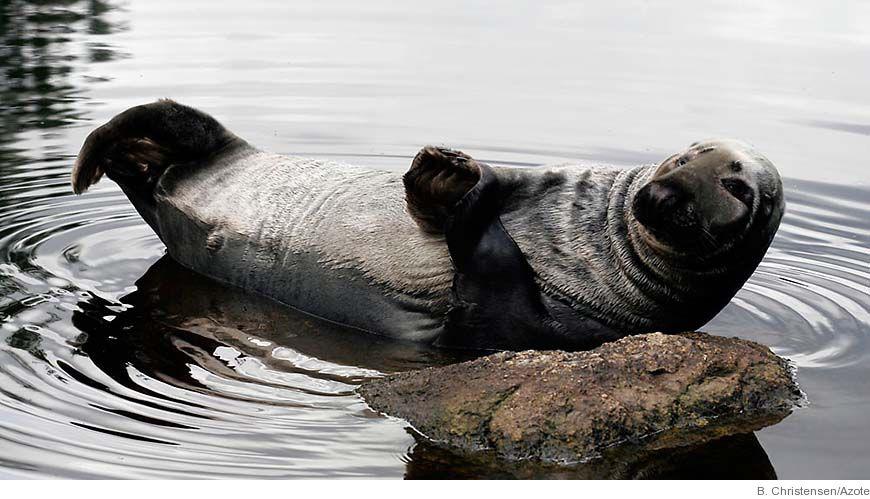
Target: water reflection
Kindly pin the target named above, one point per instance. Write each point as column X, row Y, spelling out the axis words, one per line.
column 736, row 457
column 45, row 48
column 41, row 53
column 176, row 305
column 177, row 319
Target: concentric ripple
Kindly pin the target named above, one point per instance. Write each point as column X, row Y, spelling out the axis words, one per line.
column 810, row 297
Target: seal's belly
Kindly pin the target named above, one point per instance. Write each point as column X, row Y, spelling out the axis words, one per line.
column 329, row 239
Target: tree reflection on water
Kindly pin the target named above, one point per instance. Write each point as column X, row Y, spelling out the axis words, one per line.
column 44, row 45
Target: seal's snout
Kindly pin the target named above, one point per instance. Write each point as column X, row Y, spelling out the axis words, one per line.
column 659, row 203
column 708, row 196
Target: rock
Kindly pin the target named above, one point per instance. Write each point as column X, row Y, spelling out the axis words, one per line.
column 646, row 392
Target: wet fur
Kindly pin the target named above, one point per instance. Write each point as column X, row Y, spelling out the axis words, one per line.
column 337, row 241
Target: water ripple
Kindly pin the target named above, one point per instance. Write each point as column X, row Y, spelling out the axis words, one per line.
column 810, row 297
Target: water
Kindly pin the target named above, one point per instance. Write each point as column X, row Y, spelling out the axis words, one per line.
column 115, row 362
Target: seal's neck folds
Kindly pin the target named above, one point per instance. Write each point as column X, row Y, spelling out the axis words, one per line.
column 575, row 226
column 687, row 294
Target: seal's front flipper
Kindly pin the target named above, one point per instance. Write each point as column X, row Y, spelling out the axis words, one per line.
column 495, row 301
column 437, row 180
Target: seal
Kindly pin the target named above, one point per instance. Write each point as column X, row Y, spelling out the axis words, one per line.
column 456, row 252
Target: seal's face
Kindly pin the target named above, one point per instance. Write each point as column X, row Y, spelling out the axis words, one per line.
column 704, row 200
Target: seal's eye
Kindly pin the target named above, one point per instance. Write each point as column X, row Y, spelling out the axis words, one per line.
column 739, row 189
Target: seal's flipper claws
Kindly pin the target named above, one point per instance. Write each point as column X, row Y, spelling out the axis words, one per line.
column 436, row 181
column 495, row 302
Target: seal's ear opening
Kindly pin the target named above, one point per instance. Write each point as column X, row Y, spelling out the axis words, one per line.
column 437, row 180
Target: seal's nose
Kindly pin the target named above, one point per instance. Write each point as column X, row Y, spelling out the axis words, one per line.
column 656, row 202
column 662, row 196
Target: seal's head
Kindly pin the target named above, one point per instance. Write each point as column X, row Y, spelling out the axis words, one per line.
column 704, row 201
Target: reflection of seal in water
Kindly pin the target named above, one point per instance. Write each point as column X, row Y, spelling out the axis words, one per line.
column 567, row 256
column 177, row 319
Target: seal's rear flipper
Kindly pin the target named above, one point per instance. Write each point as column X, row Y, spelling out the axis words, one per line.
column 135, row 147
column 495, row 301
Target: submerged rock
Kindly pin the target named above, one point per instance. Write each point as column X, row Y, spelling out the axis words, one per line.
column 646, row 392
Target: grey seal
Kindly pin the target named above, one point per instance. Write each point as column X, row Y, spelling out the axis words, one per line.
column 455, row 252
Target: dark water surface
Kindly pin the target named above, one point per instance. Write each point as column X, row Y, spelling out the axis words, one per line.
column 115, row 362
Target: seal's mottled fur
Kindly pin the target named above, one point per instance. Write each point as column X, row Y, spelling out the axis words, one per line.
column 337, row 241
